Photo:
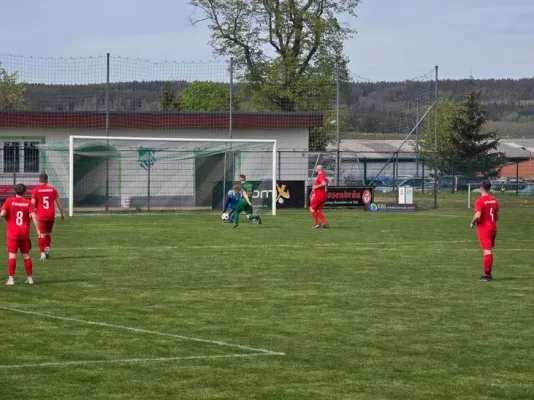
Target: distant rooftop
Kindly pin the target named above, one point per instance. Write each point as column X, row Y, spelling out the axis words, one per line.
column 385, row 148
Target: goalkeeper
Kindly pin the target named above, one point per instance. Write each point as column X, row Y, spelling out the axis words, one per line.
column 231, row 202
column 244, row 204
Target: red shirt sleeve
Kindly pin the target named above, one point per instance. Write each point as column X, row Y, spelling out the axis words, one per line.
column 56, row 194
column 31, row 209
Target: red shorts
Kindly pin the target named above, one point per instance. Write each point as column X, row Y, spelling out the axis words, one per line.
column 46, row 226
column 14, row 245
column 317, row 201
column 487, row 239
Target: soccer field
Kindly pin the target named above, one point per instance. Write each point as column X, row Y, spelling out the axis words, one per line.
column 381, row 306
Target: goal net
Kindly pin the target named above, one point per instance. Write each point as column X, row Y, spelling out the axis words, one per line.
column 143, row 174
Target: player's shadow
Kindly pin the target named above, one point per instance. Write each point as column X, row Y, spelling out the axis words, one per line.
column 60, row 281
column 513, row 278
column 78, row 257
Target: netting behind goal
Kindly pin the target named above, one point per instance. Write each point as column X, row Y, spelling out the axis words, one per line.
column 127, row 174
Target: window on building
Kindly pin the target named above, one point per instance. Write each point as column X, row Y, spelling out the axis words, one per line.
column 31, row 157
column 11, row 157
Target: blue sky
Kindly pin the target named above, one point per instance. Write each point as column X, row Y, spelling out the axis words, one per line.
column 396, row 39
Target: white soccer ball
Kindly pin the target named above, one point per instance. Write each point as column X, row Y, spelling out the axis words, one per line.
column 225, row 216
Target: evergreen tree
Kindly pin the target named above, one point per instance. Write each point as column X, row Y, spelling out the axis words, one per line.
column 168, row 100
column 475, row 149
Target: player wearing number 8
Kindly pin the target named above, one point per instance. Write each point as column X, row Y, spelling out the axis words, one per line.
column 485, row 219
column 18, row 211
column 44, row 198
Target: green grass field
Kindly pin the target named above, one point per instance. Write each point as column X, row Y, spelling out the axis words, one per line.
column 381, row 306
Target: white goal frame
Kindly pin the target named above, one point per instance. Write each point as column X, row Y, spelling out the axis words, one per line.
column 72, row 138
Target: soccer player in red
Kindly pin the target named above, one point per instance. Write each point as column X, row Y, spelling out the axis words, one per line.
column 44, row 198
column 18, row 211
column 485, row 219
column 318, row 199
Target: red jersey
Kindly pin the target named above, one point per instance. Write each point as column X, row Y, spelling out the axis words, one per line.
column 489, row 210
column 321, row 178
column 45, row 200
column 18, row 211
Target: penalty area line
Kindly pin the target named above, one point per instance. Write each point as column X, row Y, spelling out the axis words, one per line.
column 131, row 361
column 146, row 331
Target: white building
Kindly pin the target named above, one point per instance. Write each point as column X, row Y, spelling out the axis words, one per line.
column 126, row 173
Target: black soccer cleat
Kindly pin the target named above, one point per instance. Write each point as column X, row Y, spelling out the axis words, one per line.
column 326, row 226
column 318, row 226
column 259, row 220
column 486, row 278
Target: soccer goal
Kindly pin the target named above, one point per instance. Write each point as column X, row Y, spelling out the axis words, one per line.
column 110, row 173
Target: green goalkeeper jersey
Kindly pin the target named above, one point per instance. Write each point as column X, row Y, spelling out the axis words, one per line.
column 247, row 187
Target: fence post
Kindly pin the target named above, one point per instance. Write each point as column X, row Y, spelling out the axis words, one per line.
column 365, row 171
column 337, row 126
column 148, row 186
column 423, row 175
column 517, row 176
column 436, row 100
column 453, row 176
column 107, row 132
column 279, row 175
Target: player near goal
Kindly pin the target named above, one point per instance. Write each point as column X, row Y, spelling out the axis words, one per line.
column 232, row 200
column 44, row 198
column 18, row 211
column 318, row 198
column 245, row 205
column 485, row 219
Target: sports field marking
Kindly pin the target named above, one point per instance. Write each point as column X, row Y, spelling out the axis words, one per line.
column 128, row 361
column 358, row 246
column 140, row 330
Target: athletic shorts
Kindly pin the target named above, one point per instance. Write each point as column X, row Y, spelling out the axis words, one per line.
column 317, row 202
column 46, row 226
column 14, row 245
column 487, row 240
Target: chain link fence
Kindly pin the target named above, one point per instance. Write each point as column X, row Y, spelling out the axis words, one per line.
column 363, row 132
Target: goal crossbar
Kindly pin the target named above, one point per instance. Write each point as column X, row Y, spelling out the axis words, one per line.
column 72, row 138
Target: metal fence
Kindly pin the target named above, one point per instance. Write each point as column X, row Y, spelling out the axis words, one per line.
column 21, row 161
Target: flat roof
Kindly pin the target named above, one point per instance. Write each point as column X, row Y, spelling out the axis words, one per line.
column 159, row 120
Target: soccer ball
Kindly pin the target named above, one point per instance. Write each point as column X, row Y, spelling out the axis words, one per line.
column 225, row 216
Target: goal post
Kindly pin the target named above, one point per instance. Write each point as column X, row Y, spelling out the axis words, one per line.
column 115, row 173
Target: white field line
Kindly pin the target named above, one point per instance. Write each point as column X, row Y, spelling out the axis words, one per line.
column 128, row 361
column 354, row 246
column 139, row 330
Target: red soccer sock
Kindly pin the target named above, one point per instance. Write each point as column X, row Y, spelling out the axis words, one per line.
column 321, row 216
column 42, row 244
column 315, row 217
column 488, row 263
column 48, row 240
column 29, row 266
column 11, row 266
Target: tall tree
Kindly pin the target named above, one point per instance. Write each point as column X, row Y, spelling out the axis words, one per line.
column 286, row 50
column 476, row 149
column 206, row 96
column 168, row 99
column 438, row 152
column 11, row 91
column 463, row 146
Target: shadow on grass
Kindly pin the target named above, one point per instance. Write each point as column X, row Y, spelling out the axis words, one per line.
column 78, row 257
column 59, row 281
